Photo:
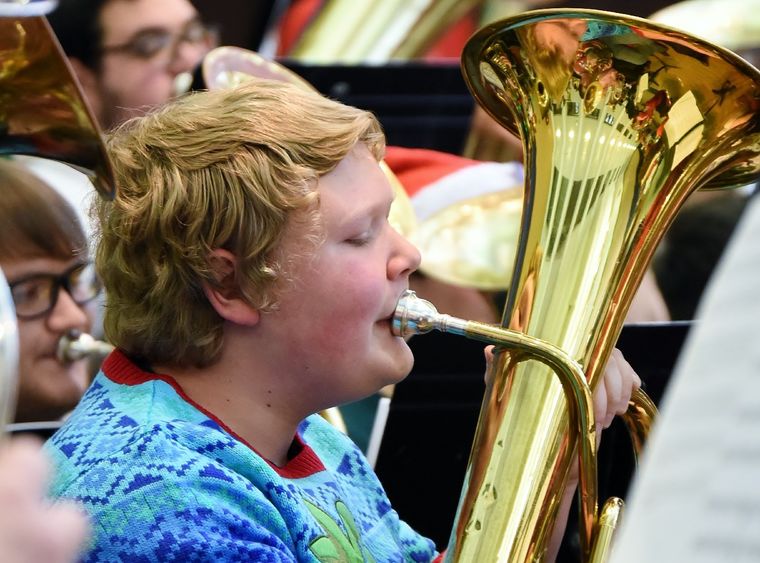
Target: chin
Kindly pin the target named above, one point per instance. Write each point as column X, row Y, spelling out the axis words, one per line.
column 402, row 366
column 58, row 392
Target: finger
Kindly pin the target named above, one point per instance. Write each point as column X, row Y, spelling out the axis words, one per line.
column 614, row 386
column 600, row 403
column 488, row 353
column 67, row 529
column 24, row 471
column 630, row 380
column 626, row 367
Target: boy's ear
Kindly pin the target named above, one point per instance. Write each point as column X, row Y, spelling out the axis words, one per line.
column 224, row 294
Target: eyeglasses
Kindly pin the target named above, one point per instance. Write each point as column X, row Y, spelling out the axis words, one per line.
column 36, row 295
column 149, row 43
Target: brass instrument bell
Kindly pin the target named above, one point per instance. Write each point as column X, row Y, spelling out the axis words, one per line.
column 42, row 109
column 621, row 119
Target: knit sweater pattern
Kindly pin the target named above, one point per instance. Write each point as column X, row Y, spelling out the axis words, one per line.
column 162, row 479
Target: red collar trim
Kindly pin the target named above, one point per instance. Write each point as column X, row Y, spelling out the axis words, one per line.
column 120, row 369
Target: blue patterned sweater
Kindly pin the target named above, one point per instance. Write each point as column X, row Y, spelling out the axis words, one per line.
column 164, row 480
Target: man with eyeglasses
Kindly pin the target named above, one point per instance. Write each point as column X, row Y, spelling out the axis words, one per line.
column 44, row 257
column 128, row 54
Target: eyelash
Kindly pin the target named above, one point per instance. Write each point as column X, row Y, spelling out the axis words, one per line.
column 367, row 236
column 361, row 241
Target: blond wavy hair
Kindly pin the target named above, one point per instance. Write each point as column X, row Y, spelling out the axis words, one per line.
column 223, row 169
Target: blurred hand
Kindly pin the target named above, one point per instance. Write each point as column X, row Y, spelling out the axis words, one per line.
column 614, row 391
column 611, row 398
column 32, row 530
column 488, row 352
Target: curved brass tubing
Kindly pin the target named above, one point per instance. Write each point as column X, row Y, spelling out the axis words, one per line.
column 418, row 316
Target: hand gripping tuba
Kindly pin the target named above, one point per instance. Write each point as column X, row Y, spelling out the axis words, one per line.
column 621, row 119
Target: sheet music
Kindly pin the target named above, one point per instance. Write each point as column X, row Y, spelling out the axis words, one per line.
column 697, row 494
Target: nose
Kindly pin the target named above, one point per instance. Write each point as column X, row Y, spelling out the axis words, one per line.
column 187, row 56
column 67, row 315
column 405, row 258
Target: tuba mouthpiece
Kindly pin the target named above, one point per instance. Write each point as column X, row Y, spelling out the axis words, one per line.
column 418, row 316
column 76, row 345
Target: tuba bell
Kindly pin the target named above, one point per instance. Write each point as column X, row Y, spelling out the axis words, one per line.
column 621, row 119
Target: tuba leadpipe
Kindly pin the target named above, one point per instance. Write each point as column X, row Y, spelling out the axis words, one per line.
column 621, row 120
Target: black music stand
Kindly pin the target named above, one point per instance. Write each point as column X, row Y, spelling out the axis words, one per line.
column 420, row 105
column 433, row 414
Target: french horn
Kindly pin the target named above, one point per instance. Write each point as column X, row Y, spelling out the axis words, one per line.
column 621, row 119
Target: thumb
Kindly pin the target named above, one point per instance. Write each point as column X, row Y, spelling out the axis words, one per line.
column 488, row 353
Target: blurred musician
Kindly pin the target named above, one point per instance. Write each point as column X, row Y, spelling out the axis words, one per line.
column 128, row 54
column 251, row 275
column 40, row 240
column 44, row 256
column 33, row 240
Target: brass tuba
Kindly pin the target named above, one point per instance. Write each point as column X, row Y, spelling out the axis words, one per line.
column 42, row 113
column 376, row 32
column 621, row 119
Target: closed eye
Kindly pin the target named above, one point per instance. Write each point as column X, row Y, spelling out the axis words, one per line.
column 359, row 241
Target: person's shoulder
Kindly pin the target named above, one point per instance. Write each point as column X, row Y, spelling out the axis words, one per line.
column 324, row 438
column 129, row 430
column 188, row 485
column 341, row 457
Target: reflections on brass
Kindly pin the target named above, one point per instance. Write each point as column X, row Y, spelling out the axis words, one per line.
column 225, row 67
column 42, row 110
column 733, row 24
column 621, row 119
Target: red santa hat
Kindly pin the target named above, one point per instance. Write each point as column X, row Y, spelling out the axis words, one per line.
column 467, row 214
column 435, row 180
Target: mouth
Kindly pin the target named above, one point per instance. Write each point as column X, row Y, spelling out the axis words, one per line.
column 385, row 323
column 387, row 320
column 60, row 364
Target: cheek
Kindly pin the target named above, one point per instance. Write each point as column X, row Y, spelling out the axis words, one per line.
column 91, row 312
column 140, row 85
column 28, row 335
column 348, row 310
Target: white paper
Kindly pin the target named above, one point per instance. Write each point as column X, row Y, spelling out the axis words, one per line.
column 696, row 498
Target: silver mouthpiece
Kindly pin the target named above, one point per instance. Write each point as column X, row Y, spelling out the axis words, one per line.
column 418, row 316
column 182, row 83
column 76, row 345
